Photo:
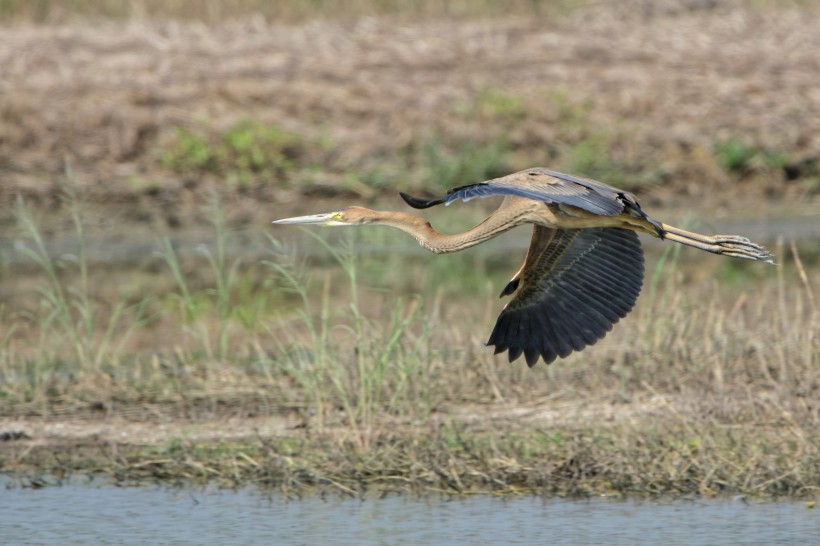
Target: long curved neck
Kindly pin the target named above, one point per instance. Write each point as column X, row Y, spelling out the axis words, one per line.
column 495, row 224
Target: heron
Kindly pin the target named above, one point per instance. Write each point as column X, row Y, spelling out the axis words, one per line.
column 584, row 268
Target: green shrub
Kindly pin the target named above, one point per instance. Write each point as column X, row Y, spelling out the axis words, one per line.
column 245, row 152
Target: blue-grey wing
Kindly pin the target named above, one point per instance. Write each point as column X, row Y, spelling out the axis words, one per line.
column 541, row 185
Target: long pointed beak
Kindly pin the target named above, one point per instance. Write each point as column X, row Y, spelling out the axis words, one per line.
column 326, row 218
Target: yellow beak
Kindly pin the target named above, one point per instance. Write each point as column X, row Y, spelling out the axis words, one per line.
column 327, row 219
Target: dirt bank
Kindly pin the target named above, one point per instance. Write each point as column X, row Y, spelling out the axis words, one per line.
column 656, row 93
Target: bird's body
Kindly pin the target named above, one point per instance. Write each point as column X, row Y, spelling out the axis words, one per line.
column 584, row 268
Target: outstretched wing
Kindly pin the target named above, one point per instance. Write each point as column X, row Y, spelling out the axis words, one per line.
column 575, row 284
column 541, row 185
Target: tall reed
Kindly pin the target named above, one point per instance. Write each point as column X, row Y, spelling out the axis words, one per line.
column 82, row 331
column 340, row 357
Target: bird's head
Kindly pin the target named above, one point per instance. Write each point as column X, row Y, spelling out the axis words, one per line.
column 351, row 216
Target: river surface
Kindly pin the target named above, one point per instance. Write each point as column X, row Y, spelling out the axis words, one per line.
column 105, row 514
column 126, row 248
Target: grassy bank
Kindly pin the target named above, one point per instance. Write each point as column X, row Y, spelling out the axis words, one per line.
column 668, row 457
column 375, row 370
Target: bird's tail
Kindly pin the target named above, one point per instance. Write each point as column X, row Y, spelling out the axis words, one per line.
column 727, row 245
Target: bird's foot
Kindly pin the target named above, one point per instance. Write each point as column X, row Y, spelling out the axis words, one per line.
column 741, row 247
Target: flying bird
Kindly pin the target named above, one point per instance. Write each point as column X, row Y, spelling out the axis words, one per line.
column 584, row 267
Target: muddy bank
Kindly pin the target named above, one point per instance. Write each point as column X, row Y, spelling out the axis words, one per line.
column 551, row 448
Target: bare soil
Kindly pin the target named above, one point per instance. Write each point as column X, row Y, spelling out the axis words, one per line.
column 156, row 425
column 96, row 101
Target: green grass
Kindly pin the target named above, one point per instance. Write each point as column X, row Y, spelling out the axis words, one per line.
column 77, row 328
column 366, row 366
column 218, row 297
column 469, row 162
column 489, row 140
column 247, row 152
column 251, row 152
column 609, row 153
column 737, row 157
column 495, row 106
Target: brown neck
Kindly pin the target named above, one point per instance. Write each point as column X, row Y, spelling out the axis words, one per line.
column 496, row 224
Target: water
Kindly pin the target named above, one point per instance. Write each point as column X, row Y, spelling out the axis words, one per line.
column 77, row 514
column 129, row 248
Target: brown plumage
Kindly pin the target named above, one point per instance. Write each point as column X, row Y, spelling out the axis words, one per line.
column 584, row 268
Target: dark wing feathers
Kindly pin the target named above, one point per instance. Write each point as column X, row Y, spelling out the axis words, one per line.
column 511, row 287
column 574, row 286
column 540, row 185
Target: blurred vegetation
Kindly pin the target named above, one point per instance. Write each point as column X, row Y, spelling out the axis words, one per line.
column 316, row 138
column 443, row 169
column 737, row 157
column 739, row 160
column 296, row 10
column 488, row 145
column 249, row 150
column 287, row 10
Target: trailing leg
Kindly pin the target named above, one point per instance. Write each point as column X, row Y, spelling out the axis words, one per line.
column 726, row 245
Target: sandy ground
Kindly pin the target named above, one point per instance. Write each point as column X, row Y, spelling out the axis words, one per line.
column 118, row 429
